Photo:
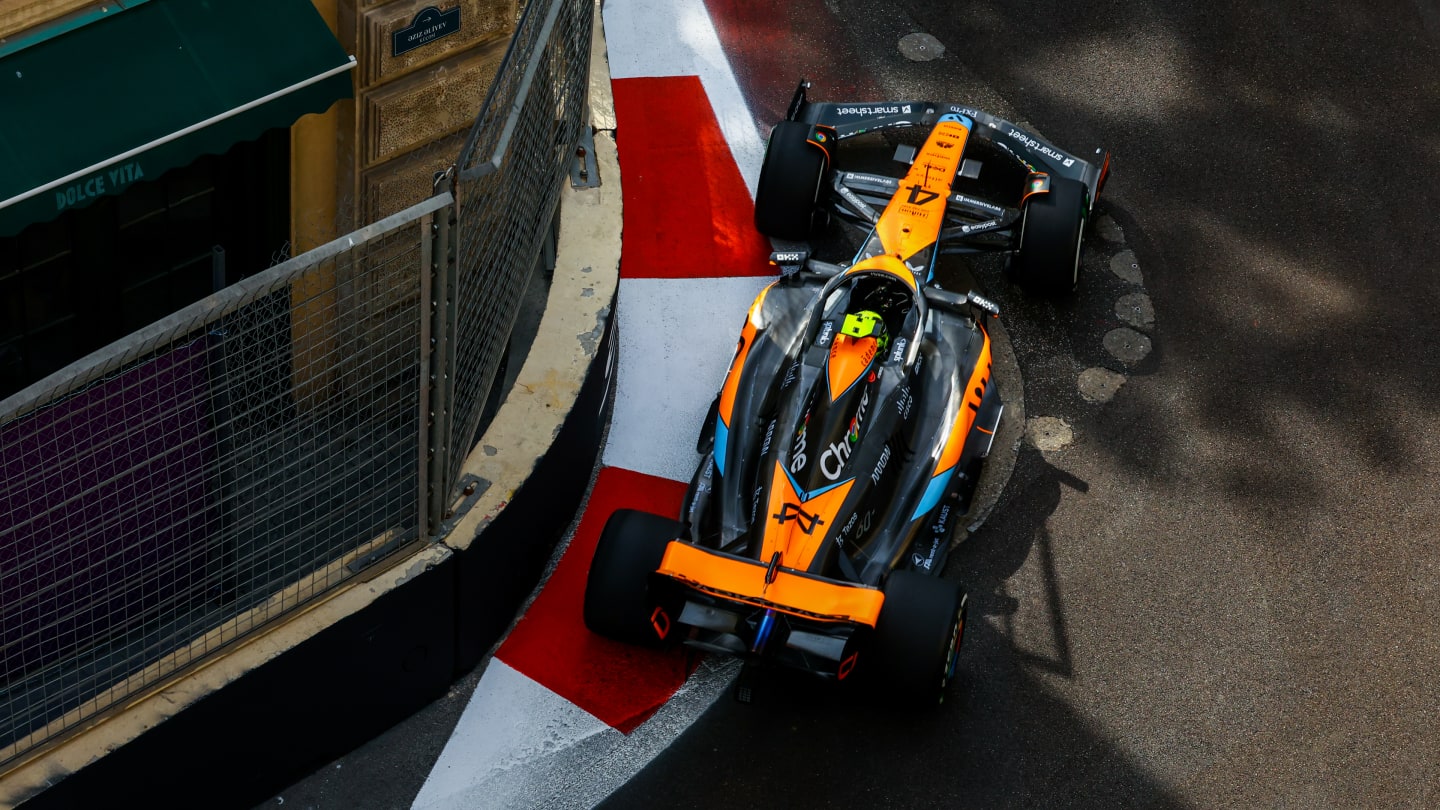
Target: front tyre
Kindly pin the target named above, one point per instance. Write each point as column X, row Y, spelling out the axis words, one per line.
column 1047, row 262
column 618, row 599
column 790, row 179
column 918, row 637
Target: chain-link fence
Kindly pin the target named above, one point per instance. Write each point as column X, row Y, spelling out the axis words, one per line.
column 511, row 170
column 181, row 488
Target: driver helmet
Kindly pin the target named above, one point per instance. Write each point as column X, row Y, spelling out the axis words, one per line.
column 866, row 323
column 856, row 350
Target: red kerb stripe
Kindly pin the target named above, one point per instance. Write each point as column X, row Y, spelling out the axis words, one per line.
column 687, row 213
column 620, row 684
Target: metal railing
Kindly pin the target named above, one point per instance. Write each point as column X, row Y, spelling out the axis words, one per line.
column 507, row 194
column 179, row 489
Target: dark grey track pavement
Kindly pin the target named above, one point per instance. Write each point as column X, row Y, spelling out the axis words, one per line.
column 1224, row 592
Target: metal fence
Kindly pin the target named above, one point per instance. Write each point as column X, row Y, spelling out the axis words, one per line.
column 179, row 489
column 510, row 174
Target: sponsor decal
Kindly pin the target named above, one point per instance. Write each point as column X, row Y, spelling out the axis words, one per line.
column 832, row 461
column 836, row 454
column 941, row 519
column 899, row 352
column 858, row 204
column 984, row 303
column 876, row 179
column 926, row 561
column 869, row 355
column 827, row 330
column 969, row 112
column 868, row 111
column 961, row 199
column 769, row 434
column 1033, row 144
column 804, row 520
column 979, row 226
column 788, row 257
column 798, row 460
column 863, row 523
column 904, row 401
column 790, row 375
column 880, row 465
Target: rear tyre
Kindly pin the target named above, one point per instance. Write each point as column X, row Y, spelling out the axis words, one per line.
column 789, row 187
column 917, row 638
column 618, row 598
column 1048, row 261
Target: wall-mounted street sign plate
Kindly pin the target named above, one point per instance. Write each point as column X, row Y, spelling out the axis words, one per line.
column 429, row 25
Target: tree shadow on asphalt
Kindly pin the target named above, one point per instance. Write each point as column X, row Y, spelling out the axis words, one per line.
column 1283, row 163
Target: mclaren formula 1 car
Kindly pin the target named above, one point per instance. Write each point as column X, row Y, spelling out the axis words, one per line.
column 848, row 436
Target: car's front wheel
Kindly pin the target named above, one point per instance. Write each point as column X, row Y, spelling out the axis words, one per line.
column 790, row 179
column 1047, row 262
column 917, row 638
column 618, row 598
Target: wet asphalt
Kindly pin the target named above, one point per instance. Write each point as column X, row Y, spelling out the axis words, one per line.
column 1224, row 591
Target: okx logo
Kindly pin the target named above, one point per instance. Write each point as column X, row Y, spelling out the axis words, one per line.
column 806, row 521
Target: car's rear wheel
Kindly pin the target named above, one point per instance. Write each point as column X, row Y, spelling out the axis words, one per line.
column 1047, row 262
column 790, row 179
column 918, row 637
column 619, row 602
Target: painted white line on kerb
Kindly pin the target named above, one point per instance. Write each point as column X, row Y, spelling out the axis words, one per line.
column 676, row 38
column 577, row 783
column 510, row 725
column 520, row 746
column 677, row 337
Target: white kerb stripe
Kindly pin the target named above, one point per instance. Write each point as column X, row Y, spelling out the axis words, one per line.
column 509, row 731
column 677, row 337
column 677, row 38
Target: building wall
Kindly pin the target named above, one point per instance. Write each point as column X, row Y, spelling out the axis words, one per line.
column 18, row 15
column 411, row 111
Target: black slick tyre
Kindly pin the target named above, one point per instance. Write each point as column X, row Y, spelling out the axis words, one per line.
column 917, row 638
column 790, row 179
column 618, row 599
column 1047, row 263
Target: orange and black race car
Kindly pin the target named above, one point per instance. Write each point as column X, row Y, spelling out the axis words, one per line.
column 847, row 439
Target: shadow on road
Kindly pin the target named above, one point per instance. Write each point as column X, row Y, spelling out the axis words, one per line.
column 1002, row 739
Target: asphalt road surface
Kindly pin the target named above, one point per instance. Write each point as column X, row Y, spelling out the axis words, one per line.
column 1223, row 590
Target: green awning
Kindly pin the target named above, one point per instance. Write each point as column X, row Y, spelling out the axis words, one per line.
column 149, row 87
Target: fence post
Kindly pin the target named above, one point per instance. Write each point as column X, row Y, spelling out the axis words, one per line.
column 440, row 349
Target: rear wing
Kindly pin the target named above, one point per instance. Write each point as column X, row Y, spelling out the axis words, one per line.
column 848, row 119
